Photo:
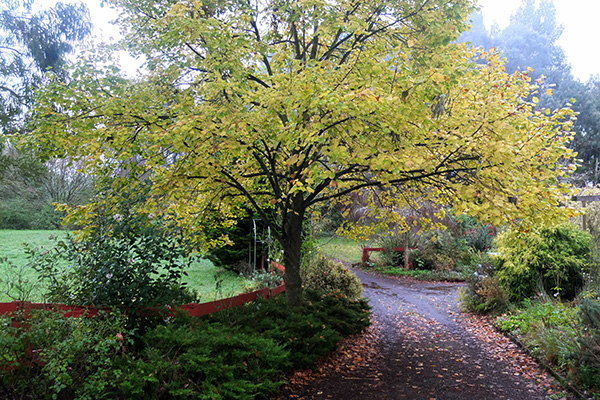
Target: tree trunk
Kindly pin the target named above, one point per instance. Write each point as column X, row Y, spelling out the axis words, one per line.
column 292, row 246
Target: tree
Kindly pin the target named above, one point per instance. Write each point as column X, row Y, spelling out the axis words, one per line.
column 31, row 44
column 587, row 141
column 289, row 104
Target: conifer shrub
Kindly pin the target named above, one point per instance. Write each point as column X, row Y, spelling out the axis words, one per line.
column 194, row 359
column 308, row 332
column 550, row 259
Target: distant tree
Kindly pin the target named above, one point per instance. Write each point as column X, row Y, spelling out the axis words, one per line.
column 478, row 34
column 31, row 44
column 587, row 141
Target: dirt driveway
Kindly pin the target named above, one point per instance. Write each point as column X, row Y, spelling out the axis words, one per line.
column 425, row 348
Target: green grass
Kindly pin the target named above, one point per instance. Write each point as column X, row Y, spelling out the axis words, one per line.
column 341, row 248
column 17, row 279
column 16, row 276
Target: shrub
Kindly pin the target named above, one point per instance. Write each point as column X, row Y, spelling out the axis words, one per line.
column 552, row 258
column 123, row 258
column 328, row 276
column 588, row 362
column 481, row 237
column 439, row 250
column 308, row 332
column 72, row 357
column 395, row 258
column 199, row 360
column 478, row 236
column 483, row 293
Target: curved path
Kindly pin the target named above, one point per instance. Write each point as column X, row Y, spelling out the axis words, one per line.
column 427, row 349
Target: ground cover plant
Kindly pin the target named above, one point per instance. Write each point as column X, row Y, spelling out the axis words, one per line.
column 565, row 336
column 240, row 353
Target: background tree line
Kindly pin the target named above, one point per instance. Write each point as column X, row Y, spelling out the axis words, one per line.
column 531, row 40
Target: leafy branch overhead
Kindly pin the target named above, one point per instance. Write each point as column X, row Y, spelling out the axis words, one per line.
column 285, row 104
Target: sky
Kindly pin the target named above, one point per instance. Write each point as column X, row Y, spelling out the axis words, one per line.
column 578, row 17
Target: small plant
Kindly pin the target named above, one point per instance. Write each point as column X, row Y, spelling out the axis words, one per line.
column 259, row 280
column 327, row 276
column 17, row 282
column 483, row 292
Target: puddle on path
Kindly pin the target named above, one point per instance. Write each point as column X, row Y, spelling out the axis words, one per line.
column 440, row 288
column 373, row 285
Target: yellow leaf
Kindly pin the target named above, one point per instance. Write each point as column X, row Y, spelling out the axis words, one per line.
column 549, row 92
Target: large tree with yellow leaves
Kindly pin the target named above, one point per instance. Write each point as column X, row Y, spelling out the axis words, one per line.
column 283, row 104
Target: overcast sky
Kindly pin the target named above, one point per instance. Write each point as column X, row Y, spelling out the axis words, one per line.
column 578, row 17
column 581, row 30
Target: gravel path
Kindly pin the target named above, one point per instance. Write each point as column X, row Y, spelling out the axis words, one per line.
column 425, row 348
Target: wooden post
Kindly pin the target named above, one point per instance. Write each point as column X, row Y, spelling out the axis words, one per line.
column 583, row 220
column 406, row 264
column 584, row 200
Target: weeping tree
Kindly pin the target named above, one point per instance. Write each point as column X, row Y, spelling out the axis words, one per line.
column 285, row 105
column 31, row 44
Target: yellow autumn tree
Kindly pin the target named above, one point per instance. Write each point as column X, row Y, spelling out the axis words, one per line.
column 281, row 105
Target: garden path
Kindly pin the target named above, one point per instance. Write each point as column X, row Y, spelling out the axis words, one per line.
column 423, row 347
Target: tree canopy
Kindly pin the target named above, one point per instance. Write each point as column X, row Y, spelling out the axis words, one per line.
column 281, row 105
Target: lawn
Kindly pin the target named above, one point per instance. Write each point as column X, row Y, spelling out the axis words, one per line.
column 341, row 248
column 203, row 277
